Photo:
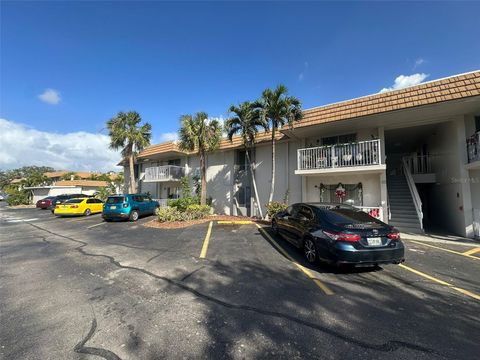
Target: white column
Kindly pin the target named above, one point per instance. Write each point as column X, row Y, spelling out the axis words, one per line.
column 384, row 195
column 381, row 136
column 465, row 195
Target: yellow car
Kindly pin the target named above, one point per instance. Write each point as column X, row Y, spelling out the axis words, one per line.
column 80, row 206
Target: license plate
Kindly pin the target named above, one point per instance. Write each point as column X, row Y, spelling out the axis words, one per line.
column 64, row 206
column 374, row 241
column 113, row 207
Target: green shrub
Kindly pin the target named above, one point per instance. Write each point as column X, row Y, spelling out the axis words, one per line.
column 275, row 207
column 168, row 214
column 18, row 197
column 187, row 199
column 198, row 211
column 192, row 212
column 181, row 204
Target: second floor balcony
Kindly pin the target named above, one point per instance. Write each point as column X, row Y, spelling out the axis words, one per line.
column 339, row 157
column 164, row 173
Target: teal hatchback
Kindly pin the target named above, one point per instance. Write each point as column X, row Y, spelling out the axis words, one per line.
column 129, row 206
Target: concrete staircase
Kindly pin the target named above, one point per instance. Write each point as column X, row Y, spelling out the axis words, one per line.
column 404, row 216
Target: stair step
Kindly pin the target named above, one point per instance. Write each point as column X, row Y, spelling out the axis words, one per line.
column 406, row 229
column 405, row 210
column 401, row 216
column 405, row 224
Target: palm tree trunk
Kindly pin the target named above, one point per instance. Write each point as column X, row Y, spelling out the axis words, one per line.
column 203, row 193
column 272, row 188
column 133, row 187
column 252, row 171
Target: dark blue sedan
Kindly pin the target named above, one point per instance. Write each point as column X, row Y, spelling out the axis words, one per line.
column 339, row 234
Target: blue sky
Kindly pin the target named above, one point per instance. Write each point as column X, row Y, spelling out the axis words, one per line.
column 167, row 59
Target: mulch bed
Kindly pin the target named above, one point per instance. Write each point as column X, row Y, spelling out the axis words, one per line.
column 183, row 224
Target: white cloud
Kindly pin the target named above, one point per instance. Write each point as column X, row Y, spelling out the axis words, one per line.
column 168, row 136
column 50, row 96
column 404, row 81
column 418, row 62
column 301, row 76
column 23, row 146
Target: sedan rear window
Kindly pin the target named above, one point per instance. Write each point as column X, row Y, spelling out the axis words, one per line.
column 74, row 201
column 347, row 216
column 115, row 200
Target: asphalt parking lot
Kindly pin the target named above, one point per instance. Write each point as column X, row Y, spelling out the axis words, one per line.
column 81, row 288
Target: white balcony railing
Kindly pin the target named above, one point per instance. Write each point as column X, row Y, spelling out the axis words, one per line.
column 164, row 173
column 420, row 164
column 363, row 153
column 473, row 147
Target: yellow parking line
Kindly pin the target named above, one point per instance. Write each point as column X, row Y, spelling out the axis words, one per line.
column 467, row 254
column 472, row 251
column 239, row 222
column 203, row 253
column 307, row 272
column 441, row 282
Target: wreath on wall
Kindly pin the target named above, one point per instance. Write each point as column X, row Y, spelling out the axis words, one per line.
column 340, row 191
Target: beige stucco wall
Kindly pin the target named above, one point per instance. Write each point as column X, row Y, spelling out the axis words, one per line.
column 285, row 179
column 451, row 200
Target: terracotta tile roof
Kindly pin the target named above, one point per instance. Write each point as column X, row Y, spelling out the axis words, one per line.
column 455, row 87
column 92, row 183
column 170, row 146
column 437, row 91
column 54, row 174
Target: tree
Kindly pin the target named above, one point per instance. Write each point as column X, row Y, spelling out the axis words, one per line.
column 36, row 178
column 7, row 176
column 246, row 121
column 72, row 175
column 198, row 133
column 278, row 109
column 105, row 191
column 127, row 134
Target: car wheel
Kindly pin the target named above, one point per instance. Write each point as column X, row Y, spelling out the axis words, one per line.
column 274, row 226
column 87, row 212
column 310, row 250
column 134, row 215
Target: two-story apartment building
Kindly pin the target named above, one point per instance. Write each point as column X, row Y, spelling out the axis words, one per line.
column 410, row 157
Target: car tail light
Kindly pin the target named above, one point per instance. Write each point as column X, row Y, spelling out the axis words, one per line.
column 342, row 236
column 125, row 205
column 74, row 206
column 394, row 235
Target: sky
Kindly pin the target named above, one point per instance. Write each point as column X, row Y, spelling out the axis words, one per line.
column 67, row 67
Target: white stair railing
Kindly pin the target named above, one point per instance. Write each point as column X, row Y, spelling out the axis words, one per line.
column 413, row 190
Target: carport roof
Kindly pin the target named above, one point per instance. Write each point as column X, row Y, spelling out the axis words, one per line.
column 432, row 92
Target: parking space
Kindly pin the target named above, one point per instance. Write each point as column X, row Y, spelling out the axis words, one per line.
column 227, row 289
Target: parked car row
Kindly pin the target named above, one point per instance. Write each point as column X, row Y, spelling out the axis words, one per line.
column 127, row 206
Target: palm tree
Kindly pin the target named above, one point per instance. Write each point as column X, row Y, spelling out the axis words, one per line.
column 279, row 109
column 246, row 121
column 127, row 134
column 198, row 133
